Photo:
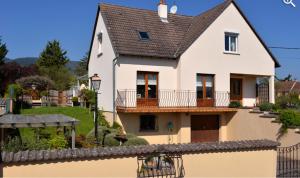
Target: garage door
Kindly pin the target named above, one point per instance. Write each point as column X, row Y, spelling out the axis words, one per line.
column 205, row 128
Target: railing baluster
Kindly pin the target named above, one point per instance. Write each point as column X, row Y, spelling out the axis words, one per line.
column 168, row 99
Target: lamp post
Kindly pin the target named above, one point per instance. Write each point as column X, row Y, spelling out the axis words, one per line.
column 96, row 82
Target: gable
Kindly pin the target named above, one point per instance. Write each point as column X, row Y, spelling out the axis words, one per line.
column 202, row 22
column 209, row 48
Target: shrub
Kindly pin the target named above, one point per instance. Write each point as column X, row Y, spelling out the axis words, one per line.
column 58, row 142
column 288, row 101
column 266, row 106
column 42, row 144
column 82, row 141
column 116, row 126
column 289, row 118
column 13, row 145
column 110, row 140
column 235, row 104
column 102, row 121
column 75, row 99
column 136, row 141
column 14, row 91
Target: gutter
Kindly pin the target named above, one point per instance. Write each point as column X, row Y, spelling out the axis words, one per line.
column 114, row 63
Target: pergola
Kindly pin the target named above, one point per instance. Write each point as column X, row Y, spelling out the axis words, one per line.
column 39, row 121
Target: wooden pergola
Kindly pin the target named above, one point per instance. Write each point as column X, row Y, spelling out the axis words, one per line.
column 13, row 121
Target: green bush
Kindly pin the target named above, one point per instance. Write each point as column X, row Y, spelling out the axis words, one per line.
column 235, row 104
column 288, row 101
column 13, row 145
column 266, row 107
column 110, row 140
column 116, row 126
column 82, row 141
column 42, row 144
column 102, row 121
column 135, row 141
column 58, row 142
column 75, row 99
column 16, row 91
column 289, row 118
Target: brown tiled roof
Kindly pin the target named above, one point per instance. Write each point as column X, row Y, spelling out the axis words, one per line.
column 132, row 151
column 199, row 24
column 124, row 23
column 288, row 86
column 167, row 40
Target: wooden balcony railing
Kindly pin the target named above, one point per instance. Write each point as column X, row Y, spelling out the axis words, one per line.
column 171, row 99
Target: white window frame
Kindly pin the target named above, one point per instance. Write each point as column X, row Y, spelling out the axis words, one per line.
column 231, row 34
column 99, row 41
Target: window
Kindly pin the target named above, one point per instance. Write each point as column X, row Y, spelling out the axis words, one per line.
column 205, row 86
column 144, row 35
column 148, row 123
column 231, row 42
column 147, row 85
column 100, row 38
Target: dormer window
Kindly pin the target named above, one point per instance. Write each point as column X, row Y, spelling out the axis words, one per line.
column 231, row 42
column 100, row 38
column 144, row 35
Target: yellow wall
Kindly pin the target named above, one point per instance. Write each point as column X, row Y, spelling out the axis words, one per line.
column 227, row 164
column 246, row 126
column 131, row 124
column 180, row 134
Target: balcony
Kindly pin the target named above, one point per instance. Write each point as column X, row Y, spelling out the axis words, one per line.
column 172, row 101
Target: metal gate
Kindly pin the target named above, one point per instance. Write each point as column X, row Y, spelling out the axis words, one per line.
column 262, row 93
column 288, row 161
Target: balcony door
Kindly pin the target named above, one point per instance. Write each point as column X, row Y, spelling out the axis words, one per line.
column 147, row 89
column 205, row 90
column 236, row 89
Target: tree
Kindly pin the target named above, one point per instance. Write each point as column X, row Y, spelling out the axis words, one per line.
column 81, row 68
column 42, row 83
column 53, row 55
column 11, row 71
column 3, row 52
column 51, row 63
column 62, row 77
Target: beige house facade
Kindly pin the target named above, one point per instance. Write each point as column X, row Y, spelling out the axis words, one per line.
column 172, row 81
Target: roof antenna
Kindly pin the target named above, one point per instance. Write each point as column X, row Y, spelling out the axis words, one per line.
column 174, row 8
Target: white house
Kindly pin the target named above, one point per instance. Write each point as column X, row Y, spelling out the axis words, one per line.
column 170, row 78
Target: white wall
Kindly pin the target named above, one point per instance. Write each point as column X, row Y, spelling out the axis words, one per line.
column 206, row 54
column 102, row 65
column 128, row 67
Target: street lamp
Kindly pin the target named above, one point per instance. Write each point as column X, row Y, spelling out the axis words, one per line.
column 96, row 82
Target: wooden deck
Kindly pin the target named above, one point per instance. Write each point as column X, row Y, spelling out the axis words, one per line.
column 177, row 110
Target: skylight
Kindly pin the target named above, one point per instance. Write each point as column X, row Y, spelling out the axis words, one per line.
column 144, row 35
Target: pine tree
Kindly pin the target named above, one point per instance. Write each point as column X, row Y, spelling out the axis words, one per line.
column 53, row 56
column 3, row 52
column 81, row 68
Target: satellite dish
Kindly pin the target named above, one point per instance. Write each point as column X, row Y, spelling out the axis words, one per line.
column 173, row 9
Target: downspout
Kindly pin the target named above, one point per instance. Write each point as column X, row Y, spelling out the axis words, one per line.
column 114, row 63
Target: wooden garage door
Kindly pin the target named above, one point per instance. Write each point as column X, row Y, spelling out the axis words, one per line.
column 205, row 128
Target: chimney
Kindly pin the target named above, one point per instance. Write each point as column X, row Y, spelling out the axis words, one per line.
column 163, row 11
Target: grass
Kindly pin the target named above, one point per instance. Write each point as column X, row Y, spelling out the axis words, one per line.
column 82, row 114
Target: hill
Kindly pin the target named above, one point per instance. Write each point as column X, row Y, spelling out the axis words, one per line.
column 27, row 61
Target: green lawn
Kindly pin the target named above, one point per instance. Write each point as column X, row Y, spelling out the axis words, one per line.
column 83, row 115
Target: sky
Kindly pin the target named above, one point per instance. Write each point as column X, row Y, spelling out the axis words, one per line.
column 27, row 25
